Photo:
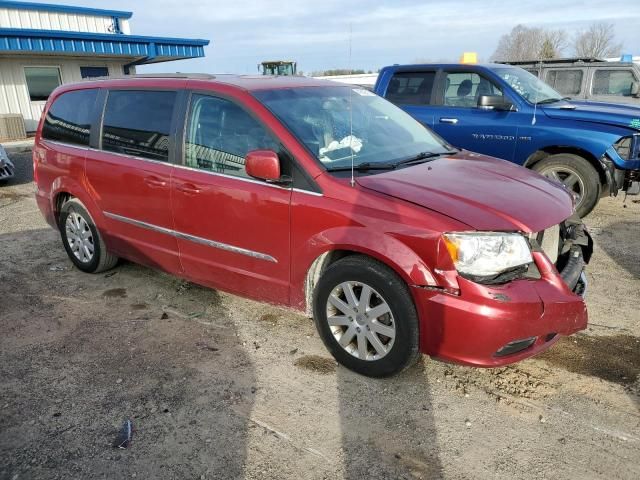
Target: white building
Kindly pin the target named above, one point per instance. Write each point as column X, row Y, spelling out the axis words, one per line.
column 367, row 80
column 43, row 46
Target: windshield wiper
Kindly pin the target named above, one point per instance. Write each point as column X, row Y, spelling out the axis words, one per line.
column 423, row 156
column 549, row 100
column 364, row 166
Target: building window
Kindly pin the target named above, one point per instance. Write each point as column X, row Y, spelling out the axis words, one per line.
column 41, row 81
column 91, row 72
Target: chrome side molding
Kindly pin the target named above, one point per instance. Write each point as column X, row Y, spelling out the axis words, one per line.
column 192, row 238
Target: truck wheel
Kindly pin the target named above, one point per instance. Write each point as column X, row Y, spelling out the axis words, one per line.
column 81, row 239
column 577, row 175
column 366, row 318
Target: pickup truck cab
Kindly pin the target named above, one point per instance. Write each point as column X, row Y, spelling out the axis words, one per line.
column 320, row 197
column 506, row 112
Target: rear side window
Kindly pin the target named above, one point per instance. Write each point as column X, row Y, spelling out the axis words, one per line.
column 612, row 82
column 138, row 123
column 68, row 120
column 567, row 82
column 411, row 88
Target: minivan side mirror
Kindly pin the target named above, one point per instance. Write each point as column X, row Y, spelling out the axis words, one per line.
column 635, row 89
column 263, row 164
column 494, row 102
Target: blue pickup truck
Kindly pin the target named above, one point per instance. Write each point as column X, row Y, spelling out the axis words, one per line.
column 506, row 112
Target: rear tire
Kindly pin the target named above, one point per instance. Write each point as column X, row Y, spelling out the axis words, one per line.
column 380, row 333
column 82, row 240
column 577, row 175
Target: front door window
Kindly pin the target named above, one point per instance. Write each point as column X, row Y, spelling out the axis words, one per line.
column 219, row 135
column 462, row 89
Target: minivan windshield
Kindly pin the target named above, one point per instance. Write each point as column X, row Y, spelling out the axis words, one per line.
column 336, row 122
column 530, row 87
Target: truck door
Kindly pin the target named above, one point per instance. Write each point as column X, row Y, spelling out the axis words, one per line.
column 459, row 120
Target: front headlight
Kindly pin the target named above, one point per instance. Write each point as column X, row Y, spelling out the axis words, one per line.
column 487, row 254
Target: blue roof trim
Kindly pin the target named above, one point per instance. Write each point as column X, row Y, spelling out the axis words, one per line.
column 47, row 7
column 79, row 43
column 22, row 32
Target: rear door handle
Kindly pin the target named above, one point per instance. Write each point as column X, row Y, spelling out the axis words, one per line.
column 449, row 120
column 188, row 188
column 154, row 181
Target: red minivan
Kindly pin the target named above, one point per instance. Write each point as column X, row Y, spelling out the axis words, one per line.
column 318, row 196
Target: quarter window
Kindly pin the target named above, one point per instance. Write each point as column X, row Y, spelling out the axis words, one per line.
column 69, row 118
column 41, row 81
column 411, row 88
column 567, row 82
column 219, row 135
column 462, row 89
column 138, row 123
column 613, row 82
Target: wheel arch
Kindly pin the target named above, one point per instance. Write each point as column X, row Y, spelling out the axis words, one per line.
column 545, row 152
column 418, row 274
column 65, row 188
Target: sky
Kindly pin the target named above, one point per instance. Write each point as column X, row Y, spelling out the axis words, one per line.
column 317, row 33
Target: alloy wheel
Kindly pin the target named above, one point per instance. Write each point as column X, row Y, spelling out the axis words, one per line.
column 79, row 237
column 360, row 320
column 569, row 178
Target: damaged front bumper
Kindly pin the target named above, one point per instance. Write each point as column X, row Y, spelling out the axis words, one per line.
column 495, row 325
column 617, row 179
column 7, row 169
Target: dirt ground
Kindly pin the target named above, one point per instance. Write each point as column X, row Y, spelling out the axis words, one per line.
column 221, row 387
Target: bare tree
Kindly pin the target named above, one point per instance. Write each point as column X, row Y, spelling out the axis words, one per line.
column 598, row 41
column 530, row 43
column 522, row 43
column 556, row 41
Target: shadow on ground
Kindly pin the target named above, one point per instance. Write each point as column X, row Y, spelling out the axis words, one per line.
column 614, row 358
column 77, row 359
column 617, row 242
column 390, row 421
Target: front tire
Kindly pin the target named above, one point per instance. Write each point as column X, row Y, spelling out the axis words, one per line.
column 82, row 240
column 577, row 175
column 366, row 318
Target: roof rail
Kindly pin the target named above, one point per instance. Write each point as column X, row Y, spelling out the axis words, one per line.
column 553, row 60
column 198, row 76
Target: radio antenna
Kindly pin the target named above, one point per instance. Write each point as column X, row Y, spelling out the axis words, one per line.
column 353, row 180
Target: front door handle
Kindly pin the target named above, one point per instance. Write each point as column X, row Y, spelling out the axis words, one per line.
column 154, row 181
column 188, row 188
column 449, row 120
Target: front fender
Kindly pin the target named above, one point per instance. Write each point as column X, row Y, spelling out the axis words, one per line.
column 383, row 247
column 548, row 134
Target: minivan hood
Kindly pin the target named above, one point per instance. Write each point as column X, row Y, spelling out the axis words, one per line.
column 482, row 192
column 607, row 113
